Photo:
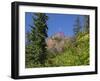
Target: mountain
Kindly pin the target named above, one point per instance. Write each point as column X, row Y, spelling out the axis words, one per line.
column 56, row 43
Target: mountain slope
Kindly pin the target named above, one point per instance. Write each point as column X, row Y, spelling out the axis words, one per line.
column 74, row 54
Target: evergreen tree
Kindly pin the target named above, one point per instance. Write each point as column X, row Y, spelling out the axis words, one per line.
column 86, row 23
column 37, row 39
column 77, row 26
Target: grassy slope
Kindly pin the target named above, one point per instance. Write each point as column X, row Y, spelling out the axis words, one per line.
column 73, row 55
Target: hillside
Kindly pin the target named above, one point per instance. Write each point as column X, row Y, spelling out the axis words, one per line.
column 74, row 53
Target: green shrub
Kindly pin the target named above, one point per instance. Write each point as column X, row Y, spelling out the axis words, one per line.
column 73, row 55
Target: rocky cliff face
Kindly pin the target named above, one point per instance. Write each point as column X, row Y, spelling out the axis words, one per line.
column 56, row 43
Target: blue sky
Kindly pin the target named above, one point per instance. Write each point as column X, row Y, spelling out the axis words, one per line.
column 56, row 23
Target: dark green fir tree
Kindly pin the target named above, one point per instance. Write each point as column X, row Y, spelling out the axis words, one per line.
column 77, row 26
column 37, row 47
column 86, row 23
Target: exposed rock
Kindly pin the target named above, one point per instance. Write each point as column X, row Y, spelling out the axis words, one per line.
column 56, row 43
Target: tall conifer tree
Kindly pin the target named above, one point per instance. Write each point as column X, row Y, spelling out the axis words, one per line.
column 40, row 31
column 86, row 23
column 77, row 26
column 37, row 38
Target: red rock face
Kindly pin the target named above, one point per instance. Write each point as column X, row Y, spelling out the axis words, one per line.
column 58, row 35
column 61, row 34
column 50, row 43
column 57, row 42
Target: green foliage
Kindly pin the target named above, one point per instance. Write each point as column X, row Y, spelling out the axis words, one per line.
column 36, row 49
column 74, row 55
column 75, row 51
